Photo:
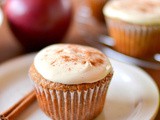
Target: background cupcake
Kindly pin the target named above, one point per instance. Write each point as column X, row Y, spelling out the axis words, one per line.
column 96, row 7
column 71, row 81
column 134, row 25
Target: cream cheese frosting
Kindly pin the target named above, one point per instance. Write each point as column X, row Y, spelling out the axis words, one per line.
column 72, row 64
column 145, row 12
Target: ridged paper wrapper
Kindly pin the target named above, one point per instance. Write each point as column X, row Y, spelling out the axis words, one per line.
column 72, row 105
column 135, row 40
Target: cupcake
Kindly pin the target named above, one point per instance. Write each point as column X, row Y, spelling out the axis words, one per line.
column 134, row 25
column 96, row 7
column 71, row 81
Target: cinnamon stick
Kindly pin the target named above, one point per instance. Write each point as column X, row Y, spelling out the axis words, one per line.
column 17, row 108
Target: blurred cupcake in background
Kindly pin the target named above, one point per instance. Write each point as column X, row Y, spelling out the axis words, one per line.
column 134, row 25
column 71, row 81
column 96, row 7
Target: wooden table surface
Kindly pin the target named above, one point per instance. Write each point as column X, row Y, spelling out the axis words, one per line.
column 10, row 48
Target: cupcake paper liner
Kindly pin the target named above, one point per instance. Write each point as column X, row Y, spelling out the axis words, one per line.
column 135, row 40
column 72, row 105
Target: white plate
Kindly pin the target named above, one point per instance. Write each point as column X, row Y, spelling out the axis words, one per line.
column 132, row 94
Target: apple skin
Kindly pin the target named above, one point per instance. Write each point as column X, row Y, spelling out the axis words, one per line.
column 38, row 23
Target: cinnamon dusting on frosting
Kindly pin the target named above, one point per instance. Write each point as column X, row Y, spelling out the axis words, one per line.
column 69, row 59
column 80, row 54
column 97, row 62
column 70, row 63
column 59, row 51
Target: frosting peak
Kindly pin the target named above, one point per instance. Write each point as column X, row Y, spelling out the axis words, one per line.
column 72, row 64
column 134, row 11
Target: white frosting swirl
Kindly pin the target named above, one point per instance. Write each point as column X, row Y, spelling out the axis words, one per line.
column 72, row 64
column 145, row 12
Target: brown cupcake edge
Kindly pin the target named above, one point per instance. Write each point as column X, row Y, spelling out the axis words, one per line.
column 40, row 80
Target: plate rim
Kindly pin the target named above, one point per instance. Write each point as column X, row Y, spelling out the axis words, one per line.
column 150, row 79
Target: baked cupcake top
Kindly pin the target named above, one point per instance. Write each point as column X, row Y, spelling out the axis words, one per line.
column 144, row 12
column 72, row 64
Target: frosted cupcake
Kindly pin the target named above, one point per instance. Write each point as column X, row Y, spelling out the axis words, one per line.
column 71, row 81
column 134, row 25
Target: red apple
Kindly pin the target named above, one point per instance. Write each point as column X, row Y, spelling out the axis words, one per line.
column 38, row 23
